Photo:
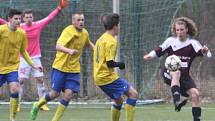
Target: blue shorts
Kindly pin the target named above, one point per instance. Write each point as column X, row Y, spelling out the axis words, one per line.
column 116, row 89
column 10, row 77
column 63, row 80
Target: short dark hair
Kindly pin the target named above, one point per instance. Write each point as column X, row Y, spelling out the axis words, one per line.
column 27, row 11
column 76, row 13
column 110, row 20
column 13, row 12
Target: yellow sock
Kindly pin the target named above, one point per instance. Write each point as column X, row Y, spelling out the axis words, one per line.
column 42, row 101
column 115, row 114
column 129, row 112
column 13, row 107
column 58, row 114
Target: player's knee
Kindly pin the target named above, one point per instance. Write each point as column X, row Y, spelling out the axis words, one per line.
column 133, row 94
column 68, row 96
column 176, row 74
column 119, row 101
column 39, row 79
column 195, row 96
column 21, row 81
column 54, row 94
column 1, row 92
column 14, row 88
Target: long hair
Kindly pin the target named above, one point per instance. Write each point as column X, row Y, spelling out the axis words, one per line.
column 188, row 23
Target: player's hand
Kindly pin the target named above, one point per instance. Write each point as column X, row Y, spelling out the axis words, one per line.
column 205, row 49
column 37, row 67
column 73, row 51
column 147, row 57
column 121, row 65
column 63, row 4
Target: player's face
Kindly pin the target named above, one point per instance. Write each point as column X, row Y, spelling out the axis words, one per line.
column 28, row 18
column 15, row 21
column 78, row 21
column 181, row 31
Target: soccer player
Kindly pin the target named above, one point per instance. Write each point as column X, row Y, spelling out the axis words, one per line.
column 183, row 45
column 65, row 74
column 13, row 42
column 104, row 75
column 33, row 30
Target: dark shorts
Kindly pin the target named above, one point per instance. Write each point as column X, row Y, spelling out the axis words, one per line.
column 10, row 77
column 116, row 89
column 63, row 80
column 186, row 82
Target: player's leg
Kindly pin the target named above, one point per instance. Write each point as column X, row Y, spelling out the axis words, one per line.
column 39, row 77
column 175, row 87
column 41, row 91
column 12, row 79
column 71, row 85
column 23, row 73
column 195, row 99
column 57, row 82
column 1, row 90
column 21, row 92
column 64, row 102
column 116, row 108
column 115, row 91
column 44, row 100
column 193, row 92
column 131, row 103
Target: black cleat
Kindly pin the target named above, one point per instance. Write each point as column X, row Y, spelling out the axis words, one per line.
column 180, row 105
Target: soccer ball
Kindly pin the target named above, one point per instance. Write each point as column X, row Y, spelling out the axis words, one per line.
column 172, row 63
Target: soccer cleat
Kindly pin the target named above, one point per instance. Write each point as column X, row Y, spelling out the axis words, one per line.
column 180, row 105
column 44, row 108
column 18, row 108
column 34, row 111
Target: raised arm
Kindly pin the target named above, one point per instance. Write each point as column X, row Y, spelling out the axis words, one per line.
column 158, row 51
column 44, row 22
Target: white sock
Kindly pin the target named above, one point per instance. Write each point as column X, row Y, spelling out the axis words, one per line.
column 21, row 92
column 41, row 90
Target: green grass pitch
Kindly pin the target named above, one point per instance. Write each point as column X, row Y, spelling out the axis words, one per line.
column 155, row 112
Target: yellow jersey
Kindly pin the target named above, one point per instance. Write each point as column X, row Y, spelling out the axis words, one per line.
column 105, row 50
column 72, row 39
column 11, row 44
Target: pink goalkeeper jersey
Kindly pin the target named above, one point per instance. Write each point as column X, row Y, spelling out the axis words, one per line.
column 33, row 33
column 2, row 21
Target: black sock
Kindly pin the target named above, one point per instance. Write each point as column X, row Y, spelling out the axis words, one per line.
column 196, row 113
column 175, row 93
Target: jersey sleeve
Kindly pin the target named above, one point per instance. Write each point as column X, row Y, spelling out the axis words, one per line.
column 2, row 21
column 65, row 37
column 44, row 22
column 197, row 47
column 162, row 49
column 110, row 52
column 24, row 52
